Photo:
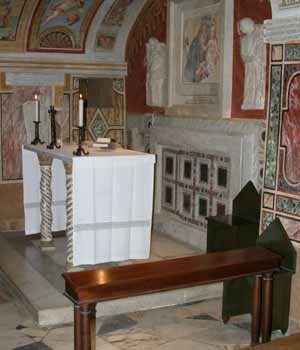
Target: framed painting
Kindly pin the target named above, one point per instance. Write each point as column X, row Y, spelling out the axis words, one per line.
column 196, row 56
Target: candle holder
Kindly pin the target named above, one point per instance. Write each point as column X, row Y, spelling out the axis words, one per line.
column 53, row 143
column 37, row 140
column 80, row 150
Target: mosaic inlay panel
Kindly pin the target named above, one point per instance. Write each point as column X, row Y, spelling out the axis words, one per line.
column 283, row 137
column 288, row 205
column 98, row 125
column 195, row 185
column 292, row 52
column 266, row 219
column 273, row 127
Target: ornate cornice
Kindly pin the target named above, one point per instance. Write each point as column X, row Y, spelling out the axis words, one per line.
column 79, row 68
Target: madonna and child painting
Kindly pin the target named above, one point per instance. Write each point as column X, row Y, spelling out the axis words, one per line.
column 201, row 52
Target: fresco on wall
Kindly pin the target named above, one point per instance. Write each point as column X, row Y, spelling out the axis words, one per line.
column 10, row 13
column 111, row 25
column 62, row 24
column 201, row 49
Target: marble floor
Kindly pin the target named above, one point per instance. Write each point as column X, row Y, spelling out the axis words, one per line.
column 194, row 325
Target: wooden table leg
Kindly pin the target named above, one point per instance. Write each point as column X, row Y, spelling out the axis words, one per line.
column 267, row 307
column 87, row 313
column 256, row 310
column 77, row 328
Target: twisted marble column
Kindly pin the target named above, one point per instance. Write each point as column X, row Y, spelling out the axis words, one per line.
column 69, row 211
column 46, row 202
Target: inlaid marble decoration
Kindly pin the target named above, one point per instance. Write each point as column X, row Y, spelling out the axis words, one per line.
column 62, row 25
column 289, row 71
column 277, row 53
column 268, row 200
column 13, row 128
column 17, row 125
column 266, row 219
column 290, row 134
column 288, row 205
column 292, row 52
column 291, row 226
column 282, row 174
column 10, row 14
column 195, row 184
column 273, row 127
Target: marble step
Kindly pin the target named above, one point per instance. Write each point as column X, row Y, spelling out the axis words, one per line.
column 49, row 307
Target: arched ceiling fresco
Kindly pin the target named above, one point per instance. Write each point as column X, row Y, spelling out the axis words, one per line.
column 62, row 26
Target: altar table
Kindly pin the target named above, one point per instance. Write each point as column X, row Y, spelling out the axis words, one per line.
column 104, row 201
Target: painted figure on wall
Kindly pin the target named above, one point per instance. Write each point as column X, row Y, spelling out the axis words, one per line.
column 253, row 53
column 68, row 9
column 10, row 13
column 202, row 52
column 156, row 84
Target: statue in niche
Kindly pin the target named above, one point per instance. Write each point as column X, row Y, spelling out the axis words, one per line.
column 253, row 52
column 156, row 83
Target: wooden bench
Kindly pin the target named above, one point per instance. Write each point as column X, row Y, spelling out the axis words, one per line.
column 87, row 288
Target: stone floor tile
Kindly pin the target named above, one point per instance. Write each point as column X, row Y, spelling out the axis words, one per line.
column 60, row 334
column 35, row 332
column 34, row 346
column 114, row 323
column 186, row 344
column 104, row 345
column 176, row 331
column 133, row 339
column 221, row 335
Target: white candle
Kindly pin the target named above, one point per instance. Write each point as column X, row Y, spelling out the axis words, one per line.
column 37, row 108
column 80, row 111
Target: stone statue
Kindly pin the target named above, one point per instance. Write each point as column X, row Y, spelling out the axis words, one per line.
column 253, row 52
column 156, row 84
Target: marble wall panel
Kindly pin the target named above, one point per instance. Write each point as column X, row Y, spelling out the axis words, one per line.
column 17, row 127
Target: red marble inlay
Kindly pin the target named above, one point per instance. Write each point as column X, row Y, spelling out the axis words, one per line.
column 290, row 137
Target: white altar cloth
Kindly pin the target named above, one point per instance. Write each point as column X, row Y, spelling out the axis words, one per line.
column 112, row 201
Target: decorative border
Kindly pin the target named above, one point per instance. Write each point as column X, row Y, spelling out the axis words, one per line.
column 273, row 127
column 292, row 52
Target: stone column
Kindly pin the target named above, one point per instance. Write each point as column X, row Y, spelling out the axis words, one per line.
column 69, row 213
column 46, row 202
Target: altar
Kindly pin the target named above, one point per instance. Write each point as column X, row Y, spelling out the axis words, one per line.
column 104, row 201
